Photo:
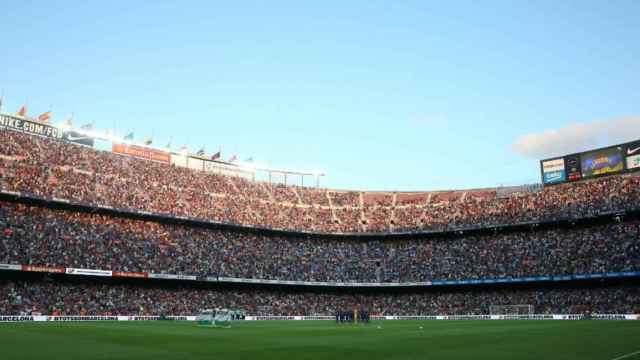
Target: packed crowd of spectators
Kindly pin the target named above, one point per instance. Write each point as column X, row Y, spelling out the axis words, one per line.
column 20, row 297
column 54, row 169
column 62, row 238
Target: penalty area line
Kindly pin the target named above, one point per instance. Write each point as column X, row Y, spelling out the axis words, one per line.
column 627, row 355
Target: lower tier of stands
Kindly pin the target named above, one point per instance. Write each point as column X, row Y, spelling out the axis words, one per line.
column 62, row 296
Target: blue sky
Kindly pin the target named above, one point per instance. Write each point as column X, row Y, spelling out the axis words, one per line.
column 410, row 95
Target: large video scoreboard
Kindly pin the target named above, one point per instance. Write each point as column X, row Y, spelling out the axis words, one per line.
column 590, row 164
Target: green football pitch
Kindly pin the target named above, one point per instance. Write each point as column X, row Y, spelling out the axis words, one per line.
column 293, row 340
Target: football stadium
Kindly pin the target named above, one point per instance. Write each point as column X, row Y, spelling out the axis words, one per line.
column 113, row 246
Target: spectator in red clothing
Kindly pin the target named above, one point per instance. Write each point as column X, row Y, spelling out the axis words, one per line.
column 52, row 169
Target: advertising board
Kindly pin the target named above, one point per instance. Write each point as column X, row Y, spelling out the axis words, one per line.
column 553, row 171
column 611, row 160
column 10, row 267
column 142, row 152
column 127, row 274
column 44, row 269
column 632, row 155
column 41, row 129
column 78, row 138
column 172, row 277
column 572, row 167
column 601, row 162
column 88, row 272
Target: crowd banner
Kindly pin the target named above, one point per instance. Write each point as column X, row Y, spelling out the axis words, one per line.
column 142, row 152
column 89, row 272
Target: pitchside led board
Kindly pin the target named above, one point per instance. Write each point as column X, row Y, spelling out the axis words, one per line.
column 590, row 164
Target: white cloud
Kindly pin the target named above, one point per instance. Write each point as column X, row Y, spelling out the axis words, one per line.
column 576, row 137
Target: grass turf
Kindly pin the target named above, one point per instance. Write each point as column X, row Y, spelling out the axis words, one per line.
column 293, row 340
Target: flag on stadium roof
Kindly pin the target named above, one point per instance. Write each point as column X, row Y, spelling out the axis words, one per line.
column 1, row 98
column 23, row 111
column 216, row 156
column 69, row 121
column 129, row 136
column 249, row 159
column 45, row 117
column 200, row 152
column 184, row 149
column 233, row 158
column 148, row 141
column 168, row 147
column 89, row 127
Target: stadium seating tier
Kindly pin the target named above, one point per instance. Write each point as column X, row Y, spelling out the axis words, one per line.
column 52, row 169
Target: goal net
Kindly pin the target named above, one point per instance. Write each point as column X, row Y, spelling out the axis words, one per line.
column 521, row 309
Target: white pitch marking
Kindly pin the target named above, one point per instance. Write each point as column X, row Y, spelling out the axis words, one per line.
column 626, row 355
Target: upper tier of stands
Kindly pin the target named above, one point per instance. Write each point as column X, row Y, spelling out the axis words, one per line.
column 53, row 169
